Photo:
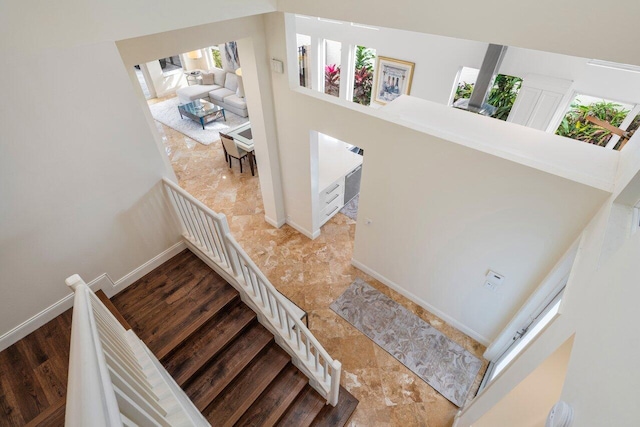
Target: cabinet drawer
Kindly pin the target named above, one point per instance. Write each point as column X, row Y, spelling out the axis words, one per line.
column 328, row 195
column 331, row 209
column 332, row 198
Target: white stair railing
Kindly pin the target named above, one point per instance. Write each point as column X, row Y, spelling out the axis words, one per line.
column 114, row 380
column 209, row 233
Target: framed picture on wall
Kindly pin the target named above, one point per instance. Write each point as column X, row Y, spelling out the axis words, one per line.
column 393, row 79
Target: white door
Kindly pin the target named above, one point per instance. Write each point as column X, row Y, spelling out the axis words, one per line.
column 538, row 101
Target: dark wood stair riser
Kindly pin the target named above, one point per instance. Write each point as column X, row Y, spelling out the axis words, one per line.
column 226, row 366
column 339, row 415
column 189, row 325
column 244, row 390
column 211, row 342
column 273, row 403
column 304, row 409
column 208, row 341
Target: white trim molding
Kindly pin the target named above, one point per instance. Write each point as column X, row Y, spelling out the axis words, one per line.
column 276, row 224
column 103, row 282
column 145, row 268
column 45, row 316
column 303, row 230
column 422, row 303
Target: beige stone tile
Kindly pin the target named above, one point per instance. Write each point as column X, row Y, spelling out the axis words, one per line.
column 413, row 414
column 313, row 273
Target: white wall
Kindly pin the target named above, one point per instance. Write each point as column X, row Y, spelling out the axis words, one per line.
column 249, row 34
column 165, row 84
column 528, row 404
column 79, row 169
column 443, row 214
column 600, row 303
column 541, row 25
column 438, row 60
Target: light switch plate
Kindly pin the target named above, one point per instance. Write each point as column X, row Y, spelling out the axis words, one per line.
column 495, row 278
column 277, row 66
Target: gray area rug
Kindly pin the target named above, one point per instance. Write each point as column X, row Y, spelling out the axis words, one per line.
column 444, row 365
column 166, row 112
column 351, row 208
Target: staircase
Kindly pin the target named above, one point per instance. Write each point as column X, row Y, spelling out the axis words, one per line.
column 216, row 350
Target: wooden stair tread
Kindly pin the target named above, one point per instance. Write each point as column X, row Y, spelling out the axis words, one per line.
column 241, row 393
column 207, row 341
column 112, row 308
column 338, row 415
column 173, row 301
column 52, row 416
column 227, row 365
column 223, row 296
column 273, row 403
column 304, row 409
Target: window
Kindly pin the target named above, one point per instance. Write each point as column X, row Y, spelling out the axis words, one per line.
column 523, row 337
column 464, row 85
column 304, row 68
column 599, row 121
column 332, row 59
column 171, row 65
column 363, row 74
column 502, row 95
column 216, row 57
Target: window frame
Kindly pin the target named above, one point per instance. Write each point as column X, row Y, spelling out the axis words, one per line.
column 564, row 109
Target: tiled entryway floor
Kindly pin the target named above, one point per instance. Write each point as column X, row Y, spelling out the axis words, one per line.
column 313, row 273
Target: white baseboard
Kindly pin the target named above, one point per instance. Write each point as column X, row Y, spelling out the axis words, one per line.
column 303, row 230
column 45, row 316
column 145, row 268
column 276, row 224
column 422, row 303
column 103, row 282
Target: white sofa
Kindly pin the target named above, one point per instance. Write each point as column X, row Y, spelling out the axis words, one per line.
column 222, row 87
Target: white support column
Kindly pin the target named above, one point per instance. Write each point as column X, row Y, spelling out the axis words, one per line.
column 256, row 77
column 347, row 59
column 317, row 64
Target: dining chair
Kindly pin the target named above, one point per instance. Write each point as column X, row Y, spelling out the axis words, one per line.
column 233, row 151
column 226, row 156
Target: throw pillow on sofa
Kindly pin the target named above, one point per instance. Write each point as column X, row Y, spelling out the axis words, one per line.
column 219, row 76
column 207, row 78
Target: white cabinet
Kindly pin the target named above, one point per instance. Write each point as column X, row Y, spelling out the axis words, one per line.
column 335, row 162
column 331, row 200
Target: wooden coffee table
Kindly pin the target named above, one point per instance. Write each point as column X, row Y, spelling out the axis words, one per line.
column 201, row 111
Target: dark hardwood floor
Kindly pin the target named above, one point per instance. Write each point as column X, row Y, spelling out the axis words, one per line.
column 33, row 372
column 209, row 341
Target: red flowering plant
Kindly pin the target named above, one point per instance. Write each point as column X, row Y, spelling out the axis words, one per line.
column 332, row 79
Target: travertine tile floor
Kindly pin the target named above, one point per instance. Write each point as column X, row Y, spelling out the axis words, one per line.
column 313, row 273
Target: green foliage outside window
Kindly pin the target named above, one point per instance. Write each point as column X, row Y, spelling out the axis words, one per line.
column 463, row 91
column 574, row 124
column 502, row 95
column 363, row 78
column 217, row 59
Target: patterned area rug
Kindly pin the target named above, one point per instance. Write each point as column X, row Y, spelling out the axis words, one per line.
column 351, row 208
column 166, row 112
column 440, row 362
